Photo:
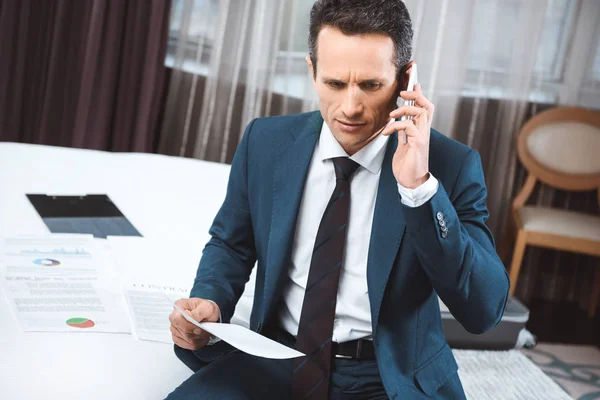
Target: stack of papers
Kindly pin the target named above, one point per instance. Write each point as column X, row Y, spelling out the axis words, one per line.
column 68, row 283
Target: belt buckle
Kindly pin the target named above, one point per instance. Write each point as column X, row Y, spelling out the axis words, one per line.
column 357, row 353
column 342, row 356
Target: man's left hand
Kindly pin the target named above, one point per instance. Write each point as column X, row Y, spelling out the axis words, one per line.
column 411, row 160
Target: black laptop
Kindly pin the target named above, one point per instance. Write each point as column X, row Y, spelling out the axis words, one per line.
column 94, row 214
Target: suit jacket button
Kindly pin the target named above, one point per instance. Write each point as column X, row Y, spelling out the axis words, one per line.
column 439, row 216
column 442, row 222
column 444, row 234
column 444, row 228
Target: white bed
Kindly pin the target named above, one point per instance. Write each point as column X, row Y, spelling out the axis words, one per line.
column 166, row 198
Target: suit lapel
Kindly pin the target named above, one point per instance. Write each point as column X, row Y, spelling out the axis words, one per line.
column 386, row 234
column 291, row 170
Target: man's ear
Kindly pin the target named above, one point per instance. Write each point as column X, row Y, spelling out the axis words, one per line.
column 405, row 76
column 310, row 66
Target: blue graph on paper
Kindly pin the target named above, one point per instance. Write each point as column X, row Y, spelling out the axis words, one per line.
column 61, row 250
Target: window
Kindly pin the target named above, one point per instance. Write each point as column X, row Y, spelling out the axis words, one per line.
column 490, row 54
column 299, row 36
column 590, row 93
column 293, row 47
column 556, row 35
column 596, row 69
column 200, row 16
column 492, row 45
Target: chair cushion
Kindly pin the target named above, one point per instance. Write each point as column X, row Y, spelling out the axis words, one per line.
column 569, row 147
column 560, row 222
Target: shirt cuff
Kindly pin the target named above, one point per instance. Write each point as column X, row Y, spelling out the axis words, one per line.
column 213, row 339
column 420, row 195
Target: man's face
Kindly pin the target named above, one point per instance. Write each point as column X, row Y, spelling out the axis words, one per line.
column 356, row 84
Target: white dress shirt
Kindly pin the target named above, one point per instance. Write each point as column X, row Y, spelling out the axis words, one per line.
column 352, row 311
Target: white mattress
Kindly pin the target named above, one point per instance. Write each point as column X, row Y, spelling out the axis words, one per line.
column 166, row 198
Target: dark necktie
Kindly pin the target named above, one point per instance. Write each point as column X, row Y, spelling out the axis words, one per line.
column 311, row 373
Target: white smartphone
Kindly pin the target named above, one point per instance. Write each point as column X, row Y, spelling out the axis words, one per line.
column 412, row 81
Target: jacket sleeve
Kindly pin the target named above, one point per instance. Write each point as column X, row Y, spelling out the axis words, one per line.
column 461, row 260
column 230, row 254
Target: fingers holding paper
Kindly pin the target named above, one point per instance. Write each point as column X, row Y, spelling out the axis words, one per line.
column 188, row 341
column 184, row 333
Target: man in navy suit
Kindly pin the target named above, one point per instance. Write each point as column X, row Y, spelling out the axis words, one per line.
column 354, row 234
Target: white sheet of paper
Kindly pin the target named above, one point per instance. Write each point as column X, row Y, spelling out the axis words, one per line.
column 65, row 304
column 244, row 339
column 443, row 307
column 50, row 256
column 150, row 306
column 57, row 284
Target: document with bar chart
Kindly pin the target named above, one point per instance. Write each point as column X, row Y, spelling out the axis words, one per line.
column 58, row 284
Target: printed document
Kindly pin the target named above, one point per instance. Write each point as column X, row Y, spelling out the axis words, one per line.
column 58, row 284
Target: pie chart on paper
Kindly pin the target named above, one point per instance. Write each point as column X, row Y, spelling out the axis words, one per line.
column 47, row 262
column 81, row 323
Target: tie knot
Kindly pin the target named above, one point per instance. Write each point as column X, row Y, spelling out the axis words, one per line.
column 344, row 167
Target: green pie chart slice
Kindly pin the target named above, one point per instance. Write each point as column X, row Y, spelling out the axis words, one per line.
column 80, row 323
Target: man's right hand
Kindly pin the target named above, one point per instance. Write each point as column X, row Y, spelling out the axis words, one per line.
column 186, row 334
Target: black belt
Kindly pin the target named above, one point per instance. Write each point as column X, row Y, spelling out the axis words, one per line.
column 359, row 349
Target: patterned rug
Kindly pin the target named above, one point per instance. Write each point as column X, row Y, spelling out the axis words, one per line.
column 504, row 375
column 575, row 368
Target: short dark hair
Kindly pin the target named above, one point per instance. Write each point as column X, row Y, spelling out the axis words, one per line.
column 358, row 17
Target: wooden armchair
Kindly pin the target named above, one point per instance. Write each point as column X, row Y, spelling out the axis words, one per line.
column 561, row 148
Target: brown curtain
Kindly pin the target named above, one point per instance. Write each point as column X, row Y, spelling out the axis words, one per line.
column 172, row 142
column 86, row 74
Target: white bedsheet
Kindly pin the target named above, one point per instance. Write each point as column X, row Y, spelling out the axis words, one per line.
column 166, row 198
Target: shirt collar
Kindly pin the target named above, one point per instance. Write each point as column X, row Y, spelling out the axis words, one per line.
column 369, row 157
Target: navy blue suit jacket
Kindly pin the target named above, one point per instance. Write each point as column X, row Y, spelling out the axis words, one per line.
column 410, row 260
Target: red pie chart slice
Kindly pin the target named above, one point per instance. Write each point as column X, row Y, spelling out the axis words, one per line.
column 80, row 323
